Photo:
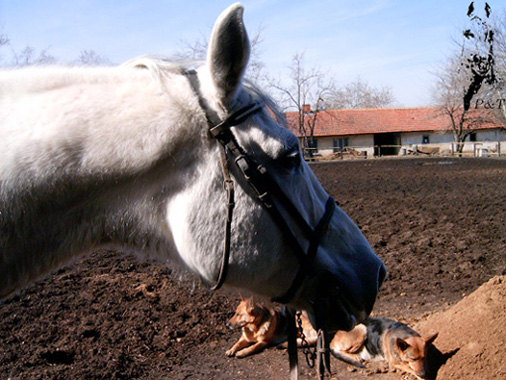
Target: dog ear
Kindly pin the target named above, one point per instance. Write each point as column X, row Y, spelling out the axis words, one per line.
column 250, row 302
column 242, row 297
column 402, row 344
column 431, row 338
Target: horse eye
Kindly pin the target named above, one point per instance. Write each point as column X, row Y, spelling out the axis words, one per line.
column 291, row 159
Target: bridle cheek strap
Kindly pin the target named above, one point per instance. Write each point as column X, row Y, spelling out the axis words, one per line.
column 228, row 183
column 314, row 243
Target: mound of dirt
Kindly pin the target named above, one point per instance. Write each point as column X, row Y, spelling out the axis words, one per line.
column 472, row 334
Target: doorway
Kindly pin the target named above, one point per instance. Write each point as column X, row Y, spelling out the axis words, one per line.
column 387, row 144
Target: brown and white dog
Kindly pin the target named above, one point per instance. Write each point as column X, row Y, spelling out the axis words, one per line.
column 377, row 339
column 261, row 327
column 384, row 339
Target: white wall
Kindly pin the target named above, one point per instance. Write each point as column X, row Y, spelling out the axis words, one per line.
column 441, row 138
column 491, row 135
column 358, row 142
column 486, row 139
column 413, row 138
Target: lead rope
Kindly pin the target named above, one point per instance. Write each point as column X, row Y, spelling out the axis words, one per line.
column 321, row 354
column 306, row 350
column 292, row 347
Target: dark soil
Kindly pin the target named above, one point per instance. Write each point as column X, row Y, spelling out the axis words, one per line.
column 439, row 224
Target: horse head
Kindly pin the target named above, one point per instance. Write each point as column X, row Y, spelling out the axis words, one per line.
column 297, row 246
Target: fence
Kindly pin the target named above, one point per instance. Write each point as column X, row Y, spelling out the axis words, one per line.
column 468, row 149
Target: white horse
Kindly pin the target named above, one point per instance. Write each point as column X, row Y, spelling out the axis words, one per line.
column 122, row 156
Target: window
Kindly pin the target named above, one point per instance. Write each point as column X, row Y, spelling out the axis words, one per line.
column 339, row 143
column 472, row 136
column 425, row 139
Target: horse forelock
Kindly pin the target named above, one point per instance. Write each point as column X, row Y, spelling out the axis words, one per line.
column 161, row 67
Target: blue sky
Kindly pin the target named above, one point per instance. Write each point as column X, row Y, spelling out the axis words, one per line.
column 395, row 43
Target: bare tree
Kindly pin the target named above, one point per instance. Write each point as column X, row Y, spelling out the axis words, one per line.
column 494, row 94
column 29, row 56
column 91, row 58
column 306, row 92
column 467, row 77
column 448, row 94
column 4, row 41
column 359, row 94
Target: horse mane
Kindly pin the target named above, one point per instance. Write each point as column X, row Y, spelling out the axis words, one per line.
column 160, row 67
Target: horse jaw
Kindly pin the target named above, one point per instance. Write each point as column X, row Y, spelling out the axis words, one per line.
column 259, row 262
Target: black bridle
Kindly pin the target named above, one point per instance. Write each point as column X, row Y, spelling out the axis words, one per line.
column 265, row 188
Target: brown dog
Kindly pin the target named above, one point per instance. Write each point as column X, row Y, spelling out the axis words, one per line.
column 384, row 339
column 261, row 327
column 375, row 340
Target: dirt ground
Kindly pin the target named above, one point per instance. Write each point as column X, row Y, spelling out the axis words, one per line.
column 472, row 333
column 439, row 224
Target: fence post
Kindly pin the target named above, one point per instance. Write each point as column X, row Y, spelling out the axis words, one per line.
column 453, row 151
column 474, row 149
column 341, row 152
column 499, row 149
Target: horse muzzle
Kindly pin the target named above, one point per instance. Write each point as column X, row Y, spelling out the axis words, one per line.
column 329, row 310
column 332, row 307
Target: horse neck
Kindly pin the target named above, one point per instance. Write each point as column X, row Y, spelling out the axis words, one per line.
column 98, row 171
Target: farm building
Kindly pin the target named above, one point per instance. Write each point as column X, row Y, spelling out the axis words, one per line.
column 395, row 131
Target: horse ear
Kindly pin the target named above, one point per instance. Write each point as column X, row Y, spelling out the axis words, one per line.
column 228, row 53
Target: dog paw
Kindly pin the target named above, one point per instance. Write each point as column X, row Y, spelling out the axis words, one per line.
column 241, row 355
column 230, row 352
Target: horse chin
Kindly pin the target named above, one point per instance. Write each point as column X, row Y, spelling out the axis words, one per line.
column 331, row 315
column 328, row 308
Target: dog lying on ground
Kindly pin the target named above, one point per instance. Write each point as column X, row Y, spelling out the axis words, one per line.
column 374, row 340
column 384, row 339
column 261, row 327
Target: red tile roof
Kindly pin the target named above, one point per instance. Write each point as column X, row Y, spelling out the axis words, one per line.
column 379, row 120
